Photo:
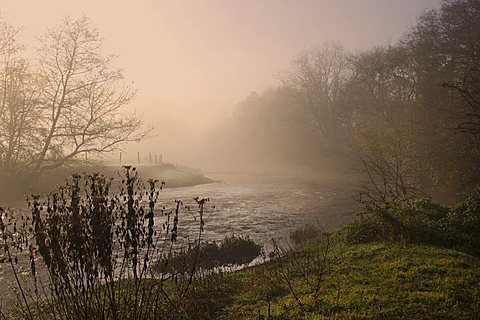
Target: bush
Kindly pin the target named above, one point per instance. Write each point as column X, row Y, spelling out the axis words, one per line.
column 368, row 230
column 424, row 221
column 232, row 251
column 421, row 222
column 305, row 235
column 239, row 250
column 464, row 221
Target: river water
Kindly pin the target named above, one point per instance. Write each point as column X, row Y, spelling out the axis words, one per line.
column 263, row 207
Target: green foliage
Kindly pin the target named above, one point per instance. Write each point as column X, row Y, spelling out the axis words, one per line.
column 424, row 222
column 464, row 221
column 239, row 250
column 466, row 215
column 368, row 230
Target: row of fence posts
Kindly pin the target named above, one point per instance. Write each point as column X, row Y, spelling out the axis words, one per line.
column 156, row 159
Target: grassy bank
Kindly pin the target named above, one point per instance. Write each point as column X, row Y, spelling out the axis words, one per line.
column 379, row 280
column 368, row 281
column 398, row 261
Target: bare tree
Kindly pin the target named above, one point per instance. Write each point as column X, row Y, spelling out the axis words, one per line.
column 382, row 88
column 19, row 96
column 317, row 80
column 387, row 163
column 20, row 100
column 83, row 97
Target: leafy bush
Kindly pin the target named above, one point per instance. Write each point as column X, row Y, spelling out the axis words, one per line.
column 424, row 221
column 368, row 230
column 464, row 221
column 415, row 223
column 467, row 213
column 239, row 250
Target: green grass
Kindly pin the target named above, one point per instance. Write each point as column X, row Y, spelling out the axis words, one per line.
column 368, row 281
column 379, row 280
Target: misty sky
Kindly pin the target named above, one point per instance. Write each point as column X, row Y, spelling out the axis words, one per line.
column 192, row 61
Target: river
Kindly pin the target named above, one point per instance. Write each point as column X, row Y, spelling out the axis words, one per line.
column 263, row 207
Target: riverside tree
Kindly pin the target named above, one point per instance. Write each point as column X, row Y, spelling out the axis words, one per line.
column 316, row 81
column 19, row 102
column 72, row 101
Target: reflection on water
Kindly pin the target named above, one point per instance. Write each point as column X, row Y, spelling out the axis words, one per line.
column 263, row 208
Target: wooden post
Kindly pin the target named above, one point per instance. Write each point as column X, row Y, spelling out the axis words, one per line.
column 150, row 157
column 120, row 158
column 156, row 163
column 138, row 157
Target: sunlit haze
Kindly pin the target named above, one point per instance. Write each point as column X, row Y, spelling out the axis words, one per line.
column 193, row 61
column 239, row 159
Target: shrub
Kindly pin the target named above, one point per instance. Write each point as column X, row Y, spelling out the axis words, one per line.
column 424, row 221
column 368, row 230
column 232, row 251
column 464, row 221
column 239, row 250
column 305, row 235
column 417, row 222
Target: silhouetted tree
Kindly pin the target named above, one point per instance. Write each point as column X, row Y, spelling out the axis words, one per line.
column 317, row 80
column 72, row 103
column 19, row 99
column 83, row 97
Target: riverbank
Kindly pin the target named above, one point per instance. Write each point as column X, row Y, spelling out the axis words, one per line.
column 396, row 262
column 12, row 191
column 380, row 280
column 419, row 262
column 332, row 278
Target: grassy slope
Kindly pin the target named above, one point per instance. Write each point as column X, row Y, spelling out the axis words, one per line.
column 371, row 281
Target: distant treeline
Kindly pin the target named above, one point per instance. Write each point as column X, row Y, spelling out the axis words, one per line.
column 407, row 115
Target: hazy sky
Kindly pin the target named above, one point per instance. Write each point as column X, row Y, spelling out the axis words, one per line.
column 192, row 61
